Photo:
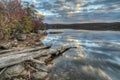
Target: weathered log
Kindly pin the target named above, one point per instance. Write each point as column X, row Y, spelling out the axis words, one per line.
column 25, row 56
column 18, row 58
column 24, row 50
column 59, row 52
column 10, row 50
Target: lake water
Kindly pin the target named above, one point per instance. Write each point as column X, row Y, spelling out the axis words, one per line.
column 96, row 58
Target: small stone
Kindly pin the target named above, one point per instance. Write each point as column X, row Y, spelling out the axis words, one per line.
column 41, row 32
column 38, row 43
column 14, row 43
column 21, row 37
column 2, row 47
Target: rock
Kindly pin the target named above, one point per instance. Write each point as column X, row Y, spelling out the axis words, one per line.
column 21, row 37
column 38, row 44
column 39, row 75
column 41, row 67
column 14, row 43
column 19, row 79
column 5, row 46
column 41, row 32
column 14, row 71
column 32, row 34
column 2, row 47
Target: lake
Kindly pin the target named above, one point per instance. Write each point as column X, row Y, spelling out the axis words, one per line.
column 96, row 58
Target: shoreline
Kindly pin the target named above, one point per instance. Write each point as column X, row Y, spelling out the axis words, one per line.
column 60, row 30
column 26, row 40
column 87, row 26
column 29, row 63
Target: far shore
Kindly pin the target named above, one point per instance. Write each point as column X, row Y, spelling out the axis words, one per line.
column 115, row 26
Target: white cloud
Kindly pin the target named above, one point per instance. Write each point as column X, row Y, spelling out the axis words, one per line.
column 79, row 10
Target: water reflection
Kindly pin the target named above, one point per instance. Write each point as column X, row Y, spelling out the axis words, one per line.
column 96, row 58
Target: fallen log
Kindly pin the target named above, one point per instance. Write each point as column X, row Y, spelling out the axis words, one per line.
column 59, row 52
column 9, row 50
column 23, row 50
column 13, row 59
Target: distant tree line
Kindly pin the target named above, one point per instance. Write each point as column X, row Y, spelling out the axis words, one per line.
column 87, row 26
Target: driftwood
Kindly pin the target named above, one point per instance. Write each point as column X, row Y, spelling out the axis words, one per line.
column 27, row 63
column 22, row 49
column 29, row 55
column 59, row 52
column 9, row 50
column 19, row 51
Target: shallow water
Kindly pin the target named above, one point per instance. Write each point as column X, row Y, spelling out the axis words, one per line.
column 96, row 58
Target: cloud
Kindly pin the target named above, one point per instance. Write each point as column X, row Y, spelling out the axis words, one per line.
column 104, row 4
column 71, row 11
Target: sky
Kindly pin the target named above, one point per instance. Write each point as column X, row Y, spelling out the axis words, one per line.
column 78, row 11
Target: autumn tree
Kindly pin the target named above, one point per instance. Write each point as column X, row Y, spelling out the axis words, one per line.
column 20, row 16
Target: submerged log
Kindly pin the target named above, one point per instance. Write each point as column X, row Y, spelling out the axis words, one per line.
column 59, row 52
column 12, row 59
